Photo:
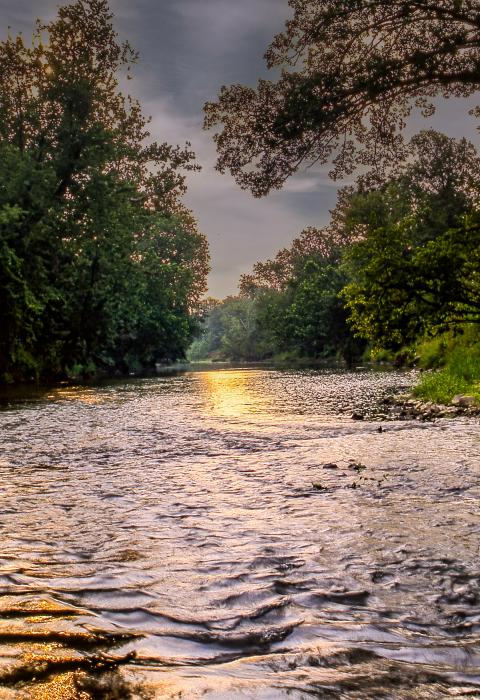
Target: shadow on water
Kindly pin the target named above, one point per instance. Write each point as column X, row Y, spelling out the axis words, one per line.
column 233, row 533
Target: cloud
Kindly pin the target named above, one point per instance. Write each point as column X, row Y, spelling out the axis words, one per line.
column 240, row 229
column 189, row 49
column 21, row 14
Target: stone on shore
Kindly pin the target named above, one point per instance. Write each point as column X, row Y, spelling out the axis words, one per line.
column 463, row 401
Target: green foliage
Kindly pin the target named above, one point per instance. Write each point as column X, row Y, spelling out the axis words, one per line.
column 461, row 375
column 230, row 331
column 100, row 264
column 399, row 261
column 441, row 386
column 433, row 351
column 313, row 320
column 289, row 308
column 401, row 290
column 414, row 269
column 239, row 340
column 458, row 357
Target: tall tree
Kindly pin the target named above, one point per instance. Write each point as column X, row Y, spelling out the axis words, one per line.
column 352, row 71
column 87, row 202
column 400, row 291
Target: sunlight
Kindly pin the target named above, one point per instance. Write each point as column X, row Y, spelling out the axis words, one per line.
column 229, row 392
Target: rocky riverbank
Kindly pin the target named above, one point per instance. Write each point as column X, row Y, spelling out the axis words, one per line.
column 407, row 406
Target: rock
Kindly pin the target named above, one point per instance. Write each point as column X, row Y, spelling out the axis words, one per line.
column 463, row 401
column 330, row 465
column 405, row 407
column 450, row 411
column 358, row 416
column 357, row 466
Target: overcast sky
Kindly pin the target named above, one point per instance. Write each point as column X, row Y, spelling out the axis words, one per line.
column 188, row 49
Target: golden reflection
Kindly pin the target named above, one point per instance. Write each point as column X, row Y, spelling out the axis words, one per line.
column 60, row 687
column 230, row 392
column 39, row 640
column 81, row 394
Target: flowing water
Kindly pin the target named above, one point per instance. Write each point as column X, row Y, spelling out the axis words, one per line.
column 236, row 534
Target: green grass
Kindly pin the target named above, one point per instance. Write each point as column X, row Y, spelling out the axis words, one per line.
column 433, row 352
column 459, row 357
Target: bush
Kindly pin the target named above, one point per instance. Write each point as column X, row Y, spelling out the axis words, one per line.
column 460, row 356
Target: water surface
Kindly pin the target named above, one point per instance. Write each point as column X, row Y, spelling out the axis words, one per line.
column 235, row 534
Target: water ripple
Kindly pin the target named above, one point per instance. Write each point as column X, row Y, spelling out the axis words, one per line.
column 235, row 534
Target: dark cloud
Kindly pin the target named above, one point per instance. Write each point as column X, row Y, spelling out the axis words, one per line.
column 188, row 49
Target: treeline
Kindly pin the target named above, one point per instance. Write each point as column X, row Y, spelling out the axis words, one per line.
column 289, row 307
column 398, row 263
column 101, row 266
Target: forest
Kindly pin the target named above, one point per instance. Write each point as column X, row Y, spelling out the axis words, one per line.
column 396, row 273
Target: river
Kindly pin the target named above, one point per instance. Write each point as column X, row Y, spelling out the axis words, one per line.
column 234, row 533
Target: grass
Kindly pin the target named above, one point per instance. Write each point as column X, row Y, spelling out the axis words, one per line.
column 459, row 359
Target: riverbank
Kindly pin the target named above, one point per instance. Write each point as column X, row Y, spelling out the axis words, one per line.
column 452, row 361
column 407, row 406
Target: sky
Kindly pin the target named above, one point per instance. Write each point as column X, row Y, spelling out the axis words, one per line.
column 188, row 50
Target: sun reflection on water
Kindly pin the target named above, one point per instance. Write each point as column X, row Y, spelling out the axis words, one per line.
column 230, row 392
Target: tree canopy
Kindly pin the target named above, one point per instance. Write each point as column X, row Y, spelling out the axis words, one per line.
column 352, row 71
column 289, row 306
column 100, row 262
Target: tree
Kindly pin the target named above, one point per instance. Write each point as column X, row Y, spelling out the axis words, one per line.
column 307, row 317
column 296, row 295
column 400, row 291
column 239, row 339
column 209, row 337
column 321, row 245
column 352, row 71
column 397, row 257
column 414, row 267
column 230, row 331
column 97, row 251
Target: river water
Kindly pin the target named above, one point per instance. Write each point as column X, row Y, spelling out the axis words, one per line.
column 234, row 533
